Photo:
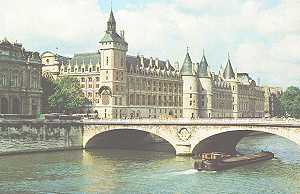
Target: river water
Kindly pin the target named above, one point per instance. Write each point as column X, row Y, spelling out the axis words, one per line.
column 120, row 171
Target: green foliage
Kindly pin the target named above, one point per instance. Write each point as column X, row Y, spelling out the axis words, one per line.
column 290, row 102
column 48, row 86
column 68, row 96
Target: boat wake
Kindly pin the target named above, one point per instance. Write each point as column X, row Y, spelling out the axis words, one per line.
column 186, row 172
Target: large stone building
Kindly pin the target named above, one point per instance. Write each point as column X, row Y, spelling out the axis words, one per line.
column 20, row 79
column 271, row 100
column 124, row 86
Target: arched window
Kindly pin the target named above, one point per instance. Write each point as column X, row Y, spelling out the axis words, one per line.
column 16, row 106
column 2, row 80
column 14, row 79
column 106, row 93
column 35, row 80
column 4, row 106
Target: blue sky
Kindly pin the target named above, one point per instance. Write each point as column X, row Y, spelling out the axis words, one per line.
column 262, row 36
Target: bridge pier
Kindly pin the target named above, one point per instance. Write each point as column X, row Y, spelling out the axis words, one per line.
column 183, row 149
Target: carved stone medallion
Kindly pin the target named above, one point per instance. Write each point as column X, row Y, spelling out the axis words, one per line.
column 184, row 134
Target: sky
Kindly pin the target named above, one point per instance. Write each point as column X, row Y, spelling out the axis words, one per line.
column 261, row 36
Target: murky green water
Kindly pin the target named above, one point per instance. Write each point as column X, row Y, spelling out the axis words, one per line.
column 119, row 171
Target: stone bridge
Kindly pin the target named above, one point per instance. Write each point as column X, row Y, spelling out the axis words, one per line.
column 193, row 136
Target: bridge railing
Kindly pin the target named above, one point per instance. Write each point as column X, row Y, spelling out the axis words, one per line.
column 188, row 121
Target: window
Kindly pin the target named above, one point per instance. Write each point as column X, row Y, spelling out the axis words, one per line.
column 94, row 68
column 90, row 70
column 72, row 69
column 90, row 85
column 14, row 81
column 2, row 80
column 191, row 103
column 83, row 79
column 97, row 79
column 107, row 61
column 97, row 85
column 191, row 95
column 90, row 79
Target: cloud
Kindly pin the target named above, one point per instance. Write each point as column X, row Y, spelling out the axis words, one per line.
column 262, row 36
column 56, row 23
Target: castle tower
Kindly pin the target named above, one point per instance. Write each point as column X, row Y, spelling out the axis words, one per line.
column 190, row 97
column 230, row 77
column 205, row 102
column 113, row 49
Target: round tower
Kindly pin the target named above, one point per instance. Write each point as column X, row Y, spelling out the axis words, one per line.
column 205, row 102
column 190, row 98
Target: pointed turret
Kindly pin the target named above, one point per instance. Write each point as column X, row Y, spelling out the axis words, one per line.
column 111, row 24
column 228, row 72
column 203, row 67
column 111, row 34
column 187, row 67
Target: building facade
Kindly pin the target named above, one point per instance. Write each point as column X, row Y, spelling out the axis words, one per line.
column 271, row 100
column 20, row 79
column 124, row 86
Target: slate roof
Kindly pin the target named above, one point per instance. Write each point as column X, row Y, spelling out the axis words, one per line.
column 187, row 67
column 112, row 37
column 228, row 72
column 202, row 68
column 138, row 62
column 16, row 52
column 86, row 59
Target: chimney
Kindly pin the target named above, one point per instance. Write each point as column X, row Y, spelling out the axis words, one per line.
column 157, row 63
column 151, row 62
column 142, row 61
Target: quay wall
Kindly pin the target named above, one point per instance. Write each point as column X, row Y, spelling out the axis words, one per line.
column 27, row 136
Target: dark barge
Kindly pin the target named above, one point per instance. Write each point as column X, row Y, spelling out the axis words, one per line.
column 216, row 161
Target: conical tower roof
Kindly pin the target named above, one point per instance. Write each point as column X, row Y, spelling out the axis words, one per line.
column 187, row 67
column 203, row 66
column 111, row 23
column 111, row 17
column 228, row 72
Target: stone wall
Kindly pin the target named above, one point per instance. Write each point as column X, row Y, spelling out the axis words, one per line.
column 36, row 136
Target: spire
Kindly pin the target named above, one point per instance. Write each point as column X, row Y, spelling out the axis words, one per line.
column 111, row 24
column 203, row 67
column 187, row 67
column 228, row 72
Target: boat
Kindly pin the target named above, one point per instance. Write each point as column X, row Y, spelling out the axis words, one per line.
column 216, row 161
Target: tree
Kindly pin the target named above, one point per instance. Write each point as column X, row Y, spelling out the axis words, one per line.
column 48, row 87
column 290, row 102
column 68, row 96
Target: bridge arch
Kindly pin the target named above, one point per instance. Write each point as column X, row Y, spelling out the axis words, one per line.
column 92, row 132
column 230, row 137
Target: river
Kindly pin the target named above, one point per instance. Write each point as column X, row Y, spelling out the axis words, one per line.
column 123, row 171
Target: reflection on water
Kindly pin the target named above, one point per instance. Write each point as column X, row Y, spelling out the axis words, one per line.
column 120, row 171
